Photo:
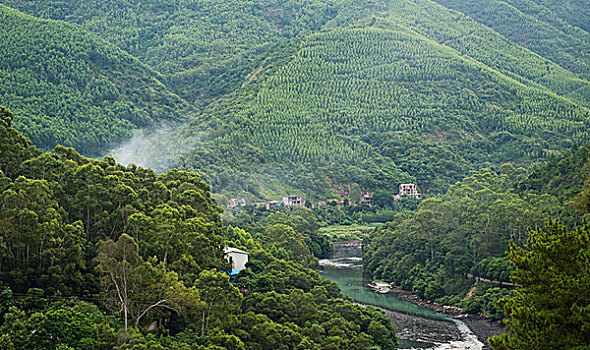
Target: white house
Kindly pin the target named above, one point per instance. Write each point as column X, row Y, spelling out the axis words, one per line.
column 407, row 190
column 293, row 201
column 236, row 257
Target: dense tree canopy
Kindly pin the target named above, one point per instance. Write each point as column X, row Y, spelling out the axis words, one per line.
column 439, row 250
column 96, row 255
column 68, row 87
column 551, row 307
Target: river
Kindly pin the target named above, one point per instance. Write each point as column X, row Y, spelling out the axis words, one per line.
column 416, row 327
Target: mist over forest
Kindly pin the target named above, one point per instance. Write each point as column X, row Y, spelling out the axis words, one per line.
column 149, row 149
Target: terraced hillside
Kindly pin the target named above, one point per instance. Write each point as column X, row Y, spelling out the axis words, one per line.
column 203, row 48
column 68, row 87
column 312, row 96
column 537, row 26
column 377, row 107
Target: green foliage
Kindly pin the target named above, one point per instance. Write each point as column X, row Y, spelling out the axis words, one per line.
column 294, row 308
column 433, row 251
column 73, row 324
column 549, row 309
column 538, row 26
column 361, row 115
column 562, row 175
column 204, row 48
column 496, row 269
column 287, row 233
column 318, row 94
column 484, row 300
column 148, row 249
column 582, row 201
column 14, row 148
column 71, row 88
column 139, row 287
column 220, row 301
column 346, row 232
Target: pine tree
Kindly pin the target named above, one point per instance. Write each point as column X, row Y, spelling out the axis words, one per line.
column 551, row 307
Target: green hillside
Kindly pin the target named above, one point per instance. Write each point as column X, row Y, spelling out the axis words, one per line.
column 68, row 87
column 537, row 28
column 311, row 96
column 203, row 48
column 489, row 47
column 378, row 107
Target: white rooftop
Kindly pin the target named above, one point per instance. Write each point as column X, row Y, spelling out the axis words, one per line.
column 233, row 250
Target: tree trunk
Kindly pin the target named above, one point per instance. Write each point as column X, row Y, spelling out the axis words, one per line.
column 203, row 322
column 125, row 312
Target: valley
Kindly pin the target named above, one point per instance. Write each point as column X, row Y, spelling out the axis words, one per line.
column 215, row 175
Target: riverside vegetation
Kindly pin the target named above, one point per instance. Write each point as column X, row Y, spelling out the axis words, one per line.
column 437, row 251
column 94, row 253
column 483, row 104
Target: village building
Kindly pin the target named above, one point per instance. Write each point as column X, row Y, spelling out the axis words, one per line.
column 367, row 198
column 274, row 205
column 234, row 202
column 338, row 202
column 293, row 201
column 260, row 204
column 237, row 259
column 407, row 190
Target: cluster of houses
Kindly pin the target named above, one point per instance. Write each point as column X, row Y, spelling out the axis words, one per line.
column 288, row 201
column 298, row 201
column 238, row 258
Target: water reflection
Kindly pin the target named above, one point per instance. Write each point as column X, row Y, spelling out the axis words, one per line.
column 416, row 327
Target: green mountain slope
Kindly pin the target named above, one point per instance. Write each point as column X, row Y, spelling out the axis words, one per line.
column 485, row 45
column 68, row 87
column 362, row 104
column 575, row 12
column 308, row 96
column 562, row 175
column 204, row 48
column 535, row 27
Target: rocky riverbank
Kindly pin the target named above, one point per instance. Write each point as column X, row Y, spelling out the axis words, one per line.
column 481, row 326
column 418, row 332
column 413, row 298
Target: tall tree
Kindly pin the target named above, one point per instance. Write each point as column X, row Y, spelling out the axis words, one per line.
column 220, row 300
column 137, row 287
column 551, row 307
column 582, row 201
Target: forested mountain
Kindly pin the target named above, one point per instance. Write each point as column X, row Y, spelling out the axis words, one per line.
column 437, row 251
column 378, row 107
column 204, row 48
column 69, row 87
column 96, row 255
column 540, row 26
column 310, row 95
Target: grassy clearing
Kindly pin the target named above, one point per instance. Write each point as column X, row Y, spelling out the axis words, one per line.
column 347, row 232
